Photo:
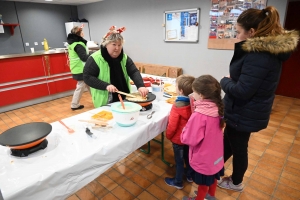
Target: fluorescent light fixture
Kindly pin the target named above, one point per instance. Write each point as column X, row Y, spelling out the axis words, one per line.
column 48, row 0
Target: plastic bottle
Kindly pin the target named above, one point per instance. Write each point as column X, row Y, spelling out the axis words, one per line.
column 46, row 47
column 1, row 22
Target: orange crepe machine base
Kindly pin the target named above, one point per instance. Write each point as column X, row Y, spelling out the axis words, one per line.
column 30, row 150
column 143, row 104
column 26, row 146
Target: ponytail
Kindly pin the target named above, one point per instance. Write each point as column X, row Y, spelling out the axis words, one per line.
column 271, row 23
column 264, row 22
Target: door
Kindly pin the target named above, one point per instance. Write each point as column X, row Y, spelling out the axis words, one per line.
column 289, row 84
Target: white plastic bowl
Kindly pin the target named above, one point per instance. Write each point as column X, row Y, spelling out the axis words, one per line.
column 127, row 117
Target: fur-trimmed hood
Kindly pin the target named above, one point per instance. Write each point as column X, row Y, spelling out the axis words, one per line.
column 280, row 44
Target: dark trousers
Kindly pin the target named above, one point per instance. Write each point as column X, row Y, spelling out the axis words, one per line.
column 236, row 145
column 181, row 155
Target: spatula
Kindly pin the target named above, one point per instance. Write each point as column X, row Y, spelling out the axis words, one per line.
column 126, row 94
column 121, row 100
column 69, row 129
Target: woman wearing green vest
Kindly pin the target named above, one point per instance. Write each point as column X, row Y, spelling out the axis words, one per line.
column 110, row 69
column 78, row 54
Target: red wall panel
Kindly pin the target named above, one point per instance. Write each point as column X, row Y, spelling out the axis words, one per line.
column 59, row 64
column 14, row 69
column 23, row 94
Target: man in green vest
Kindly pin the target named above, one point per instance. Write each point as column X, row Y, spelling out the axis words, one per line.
column 110, row 69
column 78, row 54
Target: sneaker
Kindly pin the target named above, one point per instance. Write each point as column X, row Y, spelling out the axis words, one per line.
column 189, row 179
column 207, row 197
column 80, row 107
column 188, row 198
column 171, row 182
column 225, row 178
column 227, row 183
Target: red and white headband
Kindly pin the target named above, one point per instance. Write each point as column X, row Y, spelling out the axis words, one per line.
column 113, row 29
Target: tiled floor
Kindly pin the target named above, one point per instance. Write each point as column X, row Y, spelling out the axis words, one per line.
column 274, row 159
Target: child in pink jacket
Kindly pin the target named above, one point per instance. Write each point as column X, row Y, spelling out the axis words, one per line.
column 203, row 134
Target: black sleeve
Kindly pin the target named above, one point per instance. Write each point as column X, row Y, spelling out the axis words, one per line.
column 90, row 75
column 134, row 73
column 81, row 52
column 254, row 71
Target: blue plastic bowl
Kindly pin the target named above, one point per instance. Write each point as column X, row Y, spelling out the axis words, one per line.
column 128, row 116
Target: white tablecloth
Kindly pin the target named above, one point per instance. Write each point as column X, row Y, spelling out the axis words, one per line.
column 71, row 161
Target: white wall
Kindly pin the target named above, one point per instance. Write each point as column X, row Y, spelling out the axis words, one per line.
column 144, row 35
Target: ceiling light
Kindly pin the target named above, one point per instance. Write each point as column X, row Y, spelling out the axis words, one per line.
column 48, row 0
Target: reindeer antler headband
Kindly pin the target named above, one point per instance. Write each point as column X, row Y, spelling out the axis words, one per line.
column 77, row 29
column 113, row 29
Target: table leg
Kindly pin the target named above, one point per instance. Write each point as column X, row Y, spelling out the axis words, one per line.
column 148, row 149
column 162, row 149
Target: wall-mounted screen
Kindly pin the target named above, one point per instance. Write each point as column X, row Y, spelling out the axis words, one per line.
column 181, row 25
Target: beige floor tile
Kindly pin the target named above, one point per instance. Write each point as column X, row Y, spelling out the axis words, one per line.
column 73, row 197
column 122, row 193
column 131, row 187
column 86, row 194
column 289, row 183
column 158, row 192
column 254, row 192
column 146, row 195
column 97, row 189
column 140, row 181
column 258, row 185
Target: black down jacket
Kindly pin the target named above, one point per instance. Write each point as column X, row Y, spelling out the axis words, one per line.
column 255, row 71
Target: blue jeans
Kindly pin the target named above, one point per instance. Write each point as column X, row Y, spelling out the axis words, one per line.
column 181, row 155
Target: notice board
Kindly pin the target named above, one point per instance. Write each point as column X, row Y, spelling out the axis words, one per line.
column 181, row 25
column 223, row 16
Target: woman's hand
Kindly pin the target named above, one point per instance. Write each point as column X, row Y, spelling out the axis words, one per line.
column 111, row 88
column 143, row 91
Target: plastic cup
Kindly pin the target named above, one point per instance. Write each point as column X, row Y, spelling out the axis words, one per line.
column 133, row 89
column 158, row 91
column 32, row 50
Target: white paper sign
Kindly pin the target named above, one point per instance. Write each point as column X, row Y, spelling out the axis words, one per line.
column 1, row 29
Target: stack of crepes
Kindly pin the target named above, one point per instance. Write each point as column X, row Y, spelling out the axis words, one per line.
column 100, row 119
column 103, row 115
column 170, row 90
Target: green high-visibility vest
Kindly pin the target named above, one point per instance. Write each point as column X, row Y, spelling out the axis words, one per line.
column 100, row 97
column 76, row 65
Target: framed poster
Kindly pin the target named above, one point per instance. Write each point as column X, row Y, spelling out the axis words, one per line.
column 181, row 25
column 223, row 16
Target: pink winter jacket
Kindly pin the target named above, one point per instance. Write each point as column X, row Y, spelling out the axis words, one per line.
column 204, row 137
